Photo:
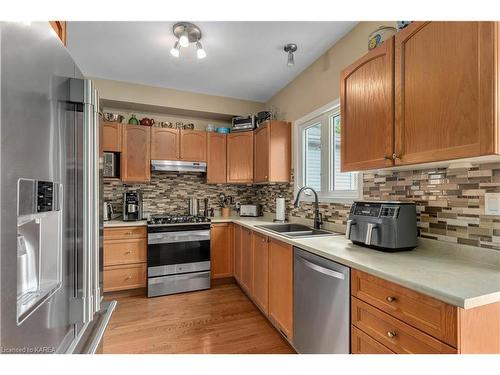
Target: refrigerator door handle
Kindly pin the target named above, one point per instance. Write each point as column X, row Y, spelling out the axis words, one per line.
column 96, row 340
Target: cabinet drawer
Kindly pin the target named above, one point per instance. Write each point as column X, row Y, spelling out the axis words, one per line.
column 434, row 317
column 122, row 233
column 361, row 343
column 125, row 251
column 393, row 333
column 124, row 277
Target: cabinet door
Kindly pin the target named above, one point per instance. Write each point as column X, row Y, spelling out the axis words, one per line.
column 240, row 157
column 367, row 107
column 280, row 151
column 111, row 137
column 136, row 160
column 237, row 252
column 361, row 343
column 444, row 91
column 281, row 286
column 216, row 158
column 260, row 271
column 246, row 260
column 164, row 144
column 193, row 145
column 261, row 153
column 220, row 250
column 60, row 29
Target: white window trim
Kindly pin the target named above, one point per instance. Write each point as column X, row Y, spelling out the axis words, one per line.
column 323, row 196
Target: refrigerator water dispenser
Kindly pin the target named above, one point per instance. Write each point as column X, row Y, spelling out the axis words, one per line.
column 39, row 244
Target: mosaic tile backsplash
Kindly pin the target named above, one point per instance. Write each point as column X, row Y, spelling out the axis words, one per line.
column 450, row 202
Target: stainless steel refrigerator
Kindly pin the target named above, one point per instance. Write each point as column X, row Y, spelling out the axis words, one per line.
column 51, row 216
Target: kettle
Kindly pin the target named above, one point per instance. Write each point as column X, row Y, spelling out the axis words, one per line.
column 107, row 211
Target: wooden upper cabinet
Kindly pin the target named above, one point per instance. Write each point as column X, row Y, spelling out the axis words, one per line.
column 260, row 270
column 445, row 91
column 281, row 286
column 367, row 107
column 240, row 157
column 111, row 136
column 136, row 153
column 216, row 158
column 272, row 152
column 165, row 144
column 60, row 29
column 221, row 255
column 193, row 145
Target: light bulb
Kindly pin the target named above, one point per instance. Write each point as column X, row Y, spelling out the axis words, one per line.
column 290, row 61
column 183, row 39
column 175, row 51
column 200, row 52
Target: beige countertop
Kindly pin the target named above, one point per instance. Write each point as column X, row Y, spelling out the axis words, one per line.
column 460, row 275
column 121, row 223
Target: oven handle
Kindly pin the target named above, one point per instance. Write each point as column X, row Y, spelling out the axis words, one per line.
column 173, row 237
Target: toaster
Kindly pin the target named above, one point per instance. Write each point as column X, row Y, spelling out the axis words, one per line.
column 251, row 210
column 388, row 226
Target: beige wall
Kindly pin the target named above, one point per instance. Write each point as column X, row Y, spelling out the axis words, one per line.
column 319, row 83
column 170, row 98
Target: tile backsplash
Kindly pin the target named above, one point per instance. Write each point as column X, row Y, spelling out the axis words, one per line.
column 450, row 202
column 170, row 191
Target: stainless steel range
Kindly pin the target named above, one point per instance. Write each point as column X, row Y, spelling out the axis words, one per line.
column 178, row 254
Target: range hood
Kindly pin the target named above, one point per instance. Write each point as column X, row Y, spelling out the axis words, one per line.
column 178, row 166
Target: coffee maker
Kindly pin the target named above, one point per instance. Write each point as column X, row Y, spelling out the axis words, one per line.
column 132, row 206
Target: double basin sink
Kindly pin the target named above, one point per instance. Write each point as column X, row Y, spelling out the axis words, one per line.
column 296, row 230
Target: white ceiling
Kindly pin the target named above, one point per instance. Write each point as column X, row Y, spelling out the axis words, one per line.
column 244, row 59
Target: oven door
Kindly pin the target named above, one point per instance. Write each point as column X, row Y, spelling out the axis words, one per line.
column 178, row 252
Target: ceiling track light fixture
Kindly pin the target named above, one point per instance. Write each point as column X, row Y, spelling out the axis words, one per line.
column 290, row 48
column 186, row 34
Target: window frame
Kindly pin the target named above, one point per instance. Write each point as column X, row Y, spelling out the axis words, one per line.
column 326, row 195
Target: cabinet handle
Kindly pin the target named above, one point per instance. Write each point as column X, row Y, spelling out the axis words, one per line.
column 128, row 233
column 391, row 334
column 390, row 299
column 396, row 156
column 128, row 252
column 128, row 277
column 388, row 157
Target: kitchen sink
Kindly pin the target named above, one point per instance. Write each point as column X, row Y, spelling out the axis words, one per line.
column 297, row 230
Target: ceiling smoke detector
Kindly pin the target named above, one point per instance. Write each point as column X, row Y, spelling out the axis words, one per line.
column 290, row 48
column 186, row 34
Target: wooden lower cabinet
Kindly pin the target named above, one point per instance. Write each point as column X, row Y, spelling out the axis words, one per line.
column 281, row 286
column 260, row 270
column 221, row 254
column 361, row 343
column 124, row 258
column 123, row 277
column 384, row 314
column 246, row 260
column 237, row 252
column 393, row 333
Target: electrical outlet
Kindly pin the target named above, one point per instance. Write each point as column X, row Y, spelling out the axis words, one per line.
column 492, row 204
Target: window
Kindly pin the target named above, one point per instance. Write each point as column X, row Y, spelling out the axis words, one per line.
column 317, row 145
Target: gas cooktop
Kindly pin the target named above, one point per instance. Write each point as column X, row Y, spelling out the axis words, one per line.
column 164, row 219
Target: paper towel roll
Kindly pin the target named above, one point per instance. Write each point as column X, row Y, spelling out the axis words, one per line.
column 280, row 209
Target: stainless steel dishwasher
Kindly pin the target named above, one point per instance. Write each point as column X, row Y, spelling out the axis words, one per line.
column 321, row 305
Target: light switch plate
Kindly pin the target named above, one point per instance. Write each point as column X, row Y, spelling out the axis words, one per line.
column 492, row 204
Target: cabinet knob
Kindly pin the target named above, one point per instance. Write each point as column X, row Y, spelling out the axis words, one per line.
column 391, row 334
column 128, row 277
column 386, row 157
column 396, row 156
column 128, row 252
column 390, row 299
column 128, row 233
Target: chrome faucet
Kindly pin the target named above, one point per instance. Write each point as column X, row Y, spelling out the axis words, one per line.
column 318, row 219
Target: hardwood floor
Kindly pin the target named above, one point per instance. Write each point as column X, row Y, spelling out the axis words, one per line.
column 219, row 320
